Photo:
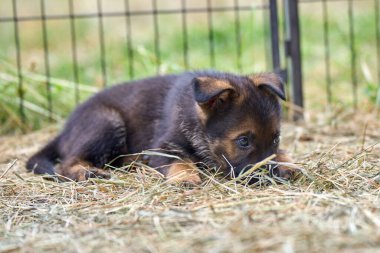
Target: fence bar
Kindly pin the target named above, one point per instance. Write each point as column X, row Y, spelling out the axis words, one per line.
column 210, row 34
column 276, row 64
column 156, row 37
column 377, row 20
column 238, row 35
column 74, row 50
column 353, row 54
column 102, row 43
column 294, row 55
column 20, row 89
column 129, row 39
column 185, row 36
column 266, row 34
column 327, row 50
column 46, row 58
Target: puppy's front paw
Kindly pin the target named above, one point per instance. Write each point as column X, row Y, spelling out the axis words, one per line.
column 184, row 174
column 80, row 171
column 284, row 172
column 93, row 172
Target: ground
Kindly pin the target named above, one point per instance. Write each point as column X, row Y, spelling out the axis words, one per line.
column 333, row 206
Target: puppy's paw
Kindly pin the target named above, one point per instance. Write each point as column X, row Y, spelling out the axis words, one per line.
column 184, row 174
column 284, row 172
column 93, row 172
column 80, row 171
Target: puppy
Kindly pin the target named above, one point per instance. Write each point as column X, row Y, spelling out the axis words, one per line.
column 220, row 120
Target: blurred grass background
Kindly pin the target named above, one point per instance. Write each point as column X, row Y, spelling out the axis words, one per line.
column 255, row 46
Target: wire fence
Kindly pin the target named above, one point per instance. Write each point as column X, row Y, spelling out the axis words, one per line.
column 100, row 43
column 347, row 39
column 56, row 53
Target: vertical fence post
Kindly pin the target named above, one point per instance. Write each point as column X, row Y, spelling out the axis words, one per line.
column 103, row 63
column 129, row 39
column 20, row 89
column 276, row 64
column 293, row 53
column 45, row 42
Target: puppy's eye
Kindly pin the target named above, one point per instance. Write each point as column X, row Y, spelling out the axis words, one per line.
column 243, row 142
column 276, row 141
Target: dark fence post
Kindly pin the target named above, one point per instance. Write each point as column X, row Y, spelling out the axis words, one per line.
column 276, row 63
column 293, row 54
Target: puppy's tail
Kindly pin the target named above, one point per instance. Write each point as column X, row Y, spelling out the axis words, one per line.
column 43, row 161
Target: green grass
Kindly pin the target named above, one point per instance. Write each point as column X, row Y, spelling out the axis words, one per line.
column 255, row 44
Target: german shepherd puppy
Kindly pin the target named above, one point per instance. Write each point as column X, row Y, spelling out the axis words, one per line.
column 220, row 120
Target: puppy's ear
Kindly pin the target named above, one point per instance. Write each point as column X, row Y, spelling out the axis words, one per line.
column 210, row 93
column 270, row 81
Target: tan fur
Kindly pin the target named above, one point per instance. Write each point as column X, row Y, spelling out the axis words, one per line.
column 284, row 171
column 202, row 115
column 248, row 125
column 211, row 85
column 80, row 171
column 265, row 78
column 217, row 84
column 183, row 173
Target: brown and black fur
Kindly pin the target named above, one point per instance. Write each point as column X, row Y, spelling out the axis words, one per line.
column 198, row 116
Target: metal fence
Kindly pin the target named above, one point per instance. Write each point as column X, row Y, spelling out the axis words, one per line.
column 55, row 52
column 151, row 17
column 349, row 40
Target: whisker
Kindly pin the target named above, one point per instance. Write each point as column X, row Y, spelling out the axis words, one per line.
column 232, row 172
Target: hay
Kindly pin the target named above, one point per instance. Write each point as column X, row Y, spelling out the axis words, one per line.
column 333, row 207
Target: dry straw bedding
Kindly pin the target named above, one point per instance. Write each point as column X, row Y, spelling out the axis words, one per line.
column 333, row 207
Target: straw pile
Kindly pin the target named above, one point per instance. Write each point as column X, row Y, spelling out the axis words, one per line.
column 334, row 206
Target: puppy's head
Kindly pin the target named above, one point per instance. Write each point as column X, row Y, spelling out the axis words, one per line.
column 241, row 117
